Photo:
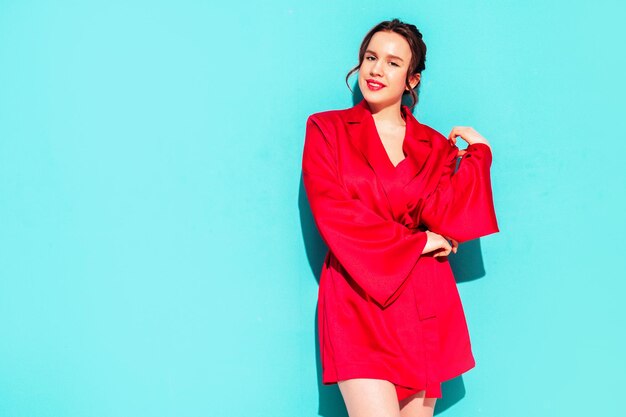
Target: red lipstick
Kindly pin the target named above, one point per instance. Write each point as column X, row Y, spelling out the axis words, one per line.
column 374, row 85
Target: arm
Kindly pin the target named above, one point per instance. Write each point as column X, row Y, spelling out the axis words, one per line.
column 462, row 205
column 379, row 254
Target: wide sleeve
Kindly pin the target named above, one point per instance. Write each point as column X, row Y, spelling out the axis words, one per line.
column 461, row 207
column 377, row 253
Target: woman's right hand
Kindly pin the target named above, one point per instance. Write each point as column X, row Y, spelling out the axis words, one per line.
column 437, row 243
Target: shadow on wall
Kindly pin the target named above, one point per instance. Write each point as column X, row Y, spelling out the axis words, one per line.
column 467, row 265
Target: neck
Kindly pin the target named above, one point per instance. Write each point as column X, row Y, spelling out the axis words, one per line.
column 390, row 113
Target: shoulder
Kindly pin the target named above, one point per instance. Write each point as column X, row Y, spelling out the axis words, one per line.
column 329, row 116
column 329, row 122
column 436, row 138
column 440, row 144
column 432, row 133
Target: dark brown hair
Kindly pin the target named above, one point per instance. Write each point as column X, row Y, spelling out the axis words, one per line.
column 418, row 51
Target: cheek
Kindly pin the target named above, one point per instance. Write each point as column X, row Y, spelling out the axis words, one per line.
column 364, row 69
column 400, row 81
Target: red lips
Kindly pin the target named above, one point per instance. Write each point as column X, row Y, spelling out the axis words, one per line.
column 374, row 85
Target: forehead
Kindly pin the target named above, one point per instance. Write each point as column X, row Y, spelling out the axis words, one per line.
column 384, row 43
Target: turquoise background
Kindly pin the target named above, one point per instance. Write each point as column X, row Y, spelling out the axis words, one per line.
column 157, row 254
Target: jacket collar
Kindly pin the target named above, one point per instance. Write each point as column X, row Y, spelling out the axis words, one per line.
column 364, row 136
column 359, row 111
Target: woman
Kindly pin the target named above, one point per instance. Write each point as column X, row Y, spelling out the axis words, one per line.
column 386, row 199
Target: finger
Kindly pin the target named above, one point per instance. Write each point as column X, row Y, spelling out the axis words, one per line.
column 457, row 131
column 450, row 239
column 443, row 252
column 453, row 134
column 461, row 131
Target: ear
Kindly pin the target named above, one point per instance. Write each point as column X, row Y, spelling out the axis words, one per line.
column 414, row 80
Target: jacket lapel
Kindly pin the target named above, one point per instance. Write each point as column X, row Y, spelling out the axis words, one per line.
column 417, row 146
column 364, row 136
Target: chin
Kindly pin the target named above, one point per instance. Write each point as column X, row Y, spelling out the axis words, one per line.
column 378, row 99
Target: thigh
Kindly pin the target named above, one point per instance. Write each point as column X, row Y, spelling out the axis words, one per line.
column 417, row 405
column 367, row 397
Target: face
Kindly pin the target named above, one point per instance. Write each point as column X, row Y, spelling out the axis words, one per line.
column 382, row 74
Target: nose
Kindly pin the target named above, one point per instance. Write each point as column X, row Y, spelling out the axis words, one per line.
column 376, row 69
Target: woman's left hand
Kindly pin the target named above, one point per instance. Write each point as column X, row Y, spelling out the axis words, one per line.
column 468, row 134
column 453, row 243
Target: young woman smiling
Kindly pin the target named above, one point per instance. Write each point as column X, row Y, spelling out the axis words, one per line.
column 391, row 205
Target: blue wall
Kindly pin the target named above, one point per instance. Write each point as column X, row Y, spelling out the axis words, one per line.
column 157, row 255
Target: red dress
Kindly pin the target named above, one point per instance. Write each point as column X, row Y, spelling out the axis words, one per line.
column 384, row 310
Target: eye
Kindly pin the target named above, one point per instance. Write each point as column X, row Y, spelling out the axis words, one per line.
column 368, row 57
column 394, row 64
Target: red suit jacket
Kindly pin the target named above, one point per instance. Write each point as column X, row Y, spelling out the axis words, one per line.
column 385, row 310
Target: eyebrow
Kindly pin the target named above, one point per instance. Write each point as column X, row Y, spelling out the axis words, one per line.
column 392, row 56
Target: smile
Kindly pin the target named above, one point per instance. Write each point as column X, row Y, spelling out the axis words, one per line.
column 374, row 85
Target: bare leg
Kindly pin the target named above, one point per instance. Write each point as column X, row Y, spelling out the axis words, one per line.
column 417, row 406
column 367, row 397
